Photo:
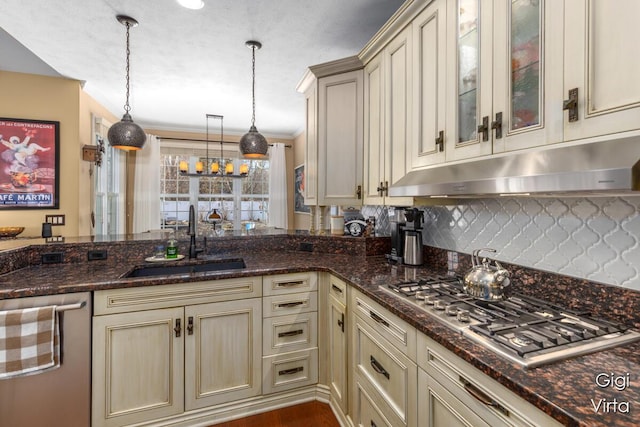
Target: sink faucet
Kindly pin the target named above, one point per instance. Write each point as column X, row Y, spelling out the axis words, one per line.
column 191, row 231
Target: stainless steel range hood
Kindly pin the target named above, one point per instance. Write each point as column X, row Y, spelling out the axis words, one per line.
column 600, row 168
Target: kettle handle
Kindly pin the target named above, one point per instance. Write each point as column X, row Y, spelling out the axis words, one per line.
column 475, row 257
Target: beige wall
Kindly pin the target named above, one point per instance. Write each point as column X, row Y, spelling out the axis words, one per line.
column 28, row 96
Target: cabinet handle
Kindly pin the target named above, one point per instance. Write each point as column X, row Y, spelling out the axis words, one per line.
column 341, row 322
column 378, row 367
column 482, row 397
column 378, row 319
column 190, row 325
column 386, row 188
column 290, row 284
column 571, row 104
column 290, row 304
column 380, row 189
column 178, row 328
column 440, row 141
column 359, row 192
column 497, row 125
column 336, row 288
column 290, row 333
column 291, row 371
column 484, row 128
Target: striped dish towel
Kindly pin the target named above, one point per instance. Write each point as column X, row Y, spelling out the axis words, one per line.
column 29, row 341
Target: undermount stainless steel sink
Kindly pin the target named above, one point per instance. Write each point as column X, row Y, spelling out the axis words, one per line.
column 173, row 269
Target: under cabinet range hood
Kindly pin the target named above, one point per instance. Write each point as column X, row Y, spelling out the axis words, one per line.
column 599, row 168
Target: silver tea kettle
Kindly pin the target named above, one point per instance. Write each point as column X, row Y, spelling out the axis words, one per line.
column 486, row 281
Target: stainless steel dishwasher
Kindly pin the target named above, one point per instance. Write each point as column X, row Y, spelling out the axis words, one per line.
column 60, row 397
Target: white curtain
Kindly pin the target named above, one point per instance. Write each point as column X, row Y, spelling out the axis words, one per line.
column 278, row 187
column 146, row 203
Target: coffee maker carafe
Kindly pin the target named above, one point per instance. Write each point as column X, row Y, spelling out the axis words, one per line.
column 413, row 237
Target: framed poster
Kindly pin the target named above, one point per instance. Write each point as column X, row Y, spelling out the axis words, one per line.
column 29, row 164
column 298, row 196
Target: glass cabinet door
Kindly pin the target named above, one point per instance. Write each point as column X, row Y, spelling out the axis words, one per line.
column 525, row 54
column 468, row 69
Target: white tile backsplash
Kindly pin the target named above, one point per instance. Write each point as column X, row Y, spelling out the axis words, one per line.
column 590, row 238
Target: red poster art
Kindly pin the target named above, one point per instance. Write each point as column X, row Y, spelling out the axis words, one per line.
column 29, row 152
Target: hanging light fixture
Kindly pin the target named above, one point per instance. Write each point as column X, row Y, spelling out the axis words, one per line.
column 126, row 135
column 252, row 143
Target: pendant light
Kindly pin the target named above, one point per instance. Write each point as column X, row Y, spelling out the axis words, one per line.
column 253, row 144
column 126, row 135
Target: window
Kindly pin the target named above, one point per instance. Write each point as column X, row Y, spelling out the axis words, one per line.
column 239, row 201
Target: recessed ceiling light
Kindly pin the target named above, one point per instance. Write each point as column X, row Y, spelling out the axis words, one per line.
column 191, row 4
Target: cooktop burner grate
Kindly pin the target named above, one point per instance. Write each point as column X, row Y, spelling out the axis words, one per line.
column 524, row 329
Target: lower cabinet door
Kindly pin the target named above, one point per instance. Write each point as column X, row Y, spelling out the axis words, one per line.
column 137, row 367
column 223, row 349
column 439, row 408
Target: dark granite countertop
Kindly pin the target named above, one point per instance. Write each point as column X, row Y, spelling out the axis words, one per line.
column 565, row 390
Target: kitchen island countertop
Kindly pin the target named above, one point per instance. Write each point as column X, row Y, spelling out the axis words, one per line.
column 567, row 390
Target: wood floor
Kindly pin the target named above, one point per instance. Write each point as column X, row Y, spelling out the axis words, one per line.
column 310, row 414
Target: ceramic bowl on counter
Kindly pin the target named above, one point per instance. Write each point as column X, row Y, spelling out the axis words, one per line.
column 7, row 232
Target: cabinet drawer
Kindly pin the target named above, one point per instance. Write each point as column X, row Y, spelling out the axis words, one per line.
column 289, row 370
column 278, row 305
column 282, row 334
column 338, row 289
column 164, row 296
column 371, row 411
column 290, row 283
column 392, row 375
column 399, row 333
column 465, row 382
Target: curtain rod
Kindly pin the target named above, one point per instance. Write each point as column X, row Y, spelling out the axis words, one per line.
column 204, row 140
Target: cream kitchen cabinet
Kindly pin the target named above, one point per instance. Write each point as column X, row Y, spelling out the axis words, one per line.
column 383, row 358
column 290, row 331
column 388, row 95
column 165, row 350
column 453, row 393
column 334, row 131
column 504, row 79
column 429, row 32
column 338, row 373
column 600, row 65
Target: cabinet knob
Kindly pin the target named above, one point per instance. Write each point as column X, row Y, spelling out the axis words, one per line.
column 484, row 128
column 497, row 125
column 571, row 104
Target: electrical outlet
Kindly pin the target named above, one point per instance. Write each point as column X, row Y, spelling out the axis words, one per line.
column 52, row 258
column 55, row 219
column 96, row 255
column 306, row 247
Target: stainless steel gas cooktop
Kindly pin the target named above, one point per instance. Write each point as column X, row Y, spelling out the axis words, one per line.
column 523, row 329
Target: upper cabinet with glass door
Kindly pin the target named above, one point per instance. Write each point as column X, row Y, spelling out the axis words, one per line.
column 506, row 57
column 602, row 67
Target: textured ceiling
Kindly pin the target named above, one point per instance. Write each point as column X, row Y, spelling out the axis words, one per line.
column 187, row 63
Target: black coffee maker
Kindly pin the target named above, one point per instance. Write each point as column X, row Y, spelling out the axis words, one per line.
column 398, row 223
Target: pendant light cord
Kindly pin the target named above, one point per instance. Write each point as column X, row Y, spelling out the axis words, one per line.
column 127, row 108
column 253, row 85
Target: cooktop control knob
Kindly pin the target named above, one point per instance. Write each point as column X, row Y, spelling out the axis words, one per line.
column 463, row 316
